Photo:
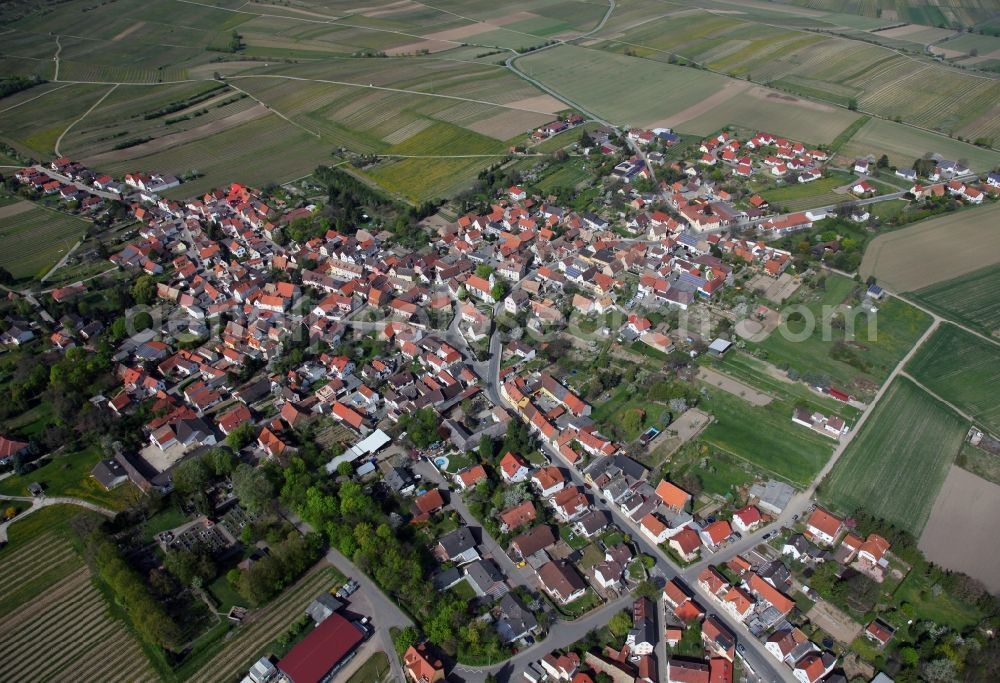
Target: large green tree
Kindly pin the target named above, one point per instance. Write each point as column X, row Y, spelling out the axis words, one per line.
column 253, row 487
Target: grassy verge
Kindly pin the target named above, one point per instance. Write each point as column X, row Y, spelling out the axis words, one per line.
column 373, row 670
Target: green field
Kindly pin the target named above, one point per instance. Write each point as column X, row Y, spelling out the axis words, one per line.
column 569, row 174
column 979, row 462
column 765, row 436
column 970, row 299
column 754, row 372
column 33, row 125
column 962, row 369
column 859, row 363
column 69, row 475
column 904, row 144
column 606, row 83
column 303, row 63
column 896, row 465
column 771, row 46
column 421, row 179
column 33, row 241
column 795, row 196
column 373, row 670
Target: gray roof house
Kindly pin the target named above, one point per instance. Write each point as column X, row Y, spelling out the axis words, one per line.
column 592, row 523
column 516, row 620
column 773, row 496
column 447, row 578
column 458, row 546
column 486, row 578
column 109, row 473
column 400, row 480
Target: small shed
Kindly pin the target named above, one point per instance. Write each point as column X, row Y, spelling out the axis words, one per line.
column 719, row 347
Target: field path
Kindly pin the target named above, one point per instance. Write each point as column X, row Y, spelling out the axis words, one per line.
column 936, row 396
column 275, row 111
column 372, row 86
column 55, row 58
column 15, row 106
column 61, row 263
column 92, row 108
column 734, row 387
column 802, row 500
column 39, row 503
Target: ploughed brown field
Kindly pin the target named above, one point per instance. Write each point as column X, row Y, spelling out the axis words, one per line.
column 965, row 514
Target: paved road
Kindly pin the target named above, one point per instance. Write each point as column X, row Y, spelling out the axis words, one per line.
column 46, row 501
column 758, row 658
column 801, row 502
column 517, row 576
column 562, row 634
column 69, row 181
column 384, row 613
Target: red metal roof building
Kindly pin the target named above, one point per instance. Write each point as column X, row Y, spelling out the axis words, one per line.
column 319, row 652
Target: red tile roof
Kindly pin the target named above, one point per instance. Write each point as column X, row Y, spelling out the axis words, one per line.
column 429, row 502
column 311, row 660
column 672, row 496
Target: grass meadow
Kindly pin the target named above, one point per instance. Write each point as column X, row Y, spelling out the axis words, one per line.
column 69, row 475
column 860, row 362
column 895, row 466
column 765, row 436
column 793, row 195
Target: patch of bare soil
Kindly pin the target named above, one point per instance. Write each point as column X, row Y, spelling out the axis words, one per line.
column 734, row 387
column 839, row 625
column 728, row 92
column 539, row 103
column 130, row 30
column 513, row 18
column 966, row 511
column 507, row 124
column 764, row 93
column 15, row 209
column 460, row 32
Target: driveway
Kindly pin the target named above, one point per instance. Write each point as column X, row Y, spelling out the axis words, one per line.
column 384, row 613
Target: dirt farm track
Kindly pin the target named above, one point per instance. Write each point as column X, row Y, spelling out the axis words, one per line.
column 966, row 511
column 935, row 250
